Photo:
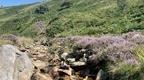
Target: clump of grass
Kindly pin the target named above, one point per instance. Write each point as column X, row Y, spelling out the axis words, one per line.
column 16, row 40
column 25, row 42
column 2, row 42
column 123, row 71
column 139, row 52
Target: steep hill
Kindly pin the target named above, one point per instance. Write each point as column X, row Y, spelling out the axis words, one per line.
column 73, row 17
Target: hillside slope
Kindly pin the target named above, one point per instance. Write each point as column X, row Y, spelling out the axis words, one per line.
column 79, row 38
column 76, row 17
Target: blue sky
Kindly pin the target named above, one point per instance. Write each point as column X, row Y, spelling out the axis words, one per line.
column 16, row 2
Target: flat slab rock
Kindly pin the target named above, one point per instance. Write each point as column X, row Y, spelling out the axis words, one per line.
column 14, row 65
column 78, row 64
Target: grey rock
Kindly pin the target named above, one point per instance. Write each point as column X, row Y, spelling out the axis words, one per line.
column 64, row 55
column 70, row 60
column 78, row 64
column 101, row 75
column 14, row 65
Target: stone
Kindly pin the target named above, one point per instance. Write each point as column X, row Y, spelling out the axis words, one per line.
column 64, row 55
column 68, row 72
column 70, row 60
column 78, row 64
column 101, row 75
column 39, row 64
column 39, row 76
column 14, row 65
column 86, row 78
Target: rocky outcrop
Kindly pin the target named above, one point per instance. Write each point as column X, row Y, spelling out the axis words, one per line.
column 14, row 65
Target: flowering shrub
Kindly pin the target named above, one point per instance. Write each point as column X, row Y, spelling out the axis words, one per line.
column 116, row 48
column 10, row 37
column 120, row 56
column 40, row 26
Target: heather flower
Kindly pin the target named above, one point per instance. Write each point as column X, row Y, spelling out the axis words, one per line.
column 40, row 25
column 10, row 37
column 115, row 47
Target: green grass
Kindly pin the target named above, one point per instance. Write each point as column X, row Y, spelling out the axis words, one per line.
column 123, row 71
column 84, row 17
column 127, row 72
column 139, row 52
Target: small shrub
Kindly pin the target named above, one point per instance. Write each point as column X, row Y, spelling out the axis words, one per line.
column 40, row 26
column 10, row 37
column 52, row 31
column 41, row 10
column 65, row 4
column 121, row 4
column 126, row 72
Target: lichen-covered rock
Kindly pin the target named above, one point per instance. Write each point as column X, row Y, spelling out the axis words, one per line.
column 14, row 65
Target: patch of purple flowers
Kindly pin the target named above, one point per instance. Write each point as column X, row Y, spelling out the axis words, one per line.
column 10, row 37
column 114, row 47
column 40, row 26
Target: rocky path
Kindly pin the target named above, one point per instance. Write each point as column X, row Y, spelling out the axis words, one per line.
column 88, row 59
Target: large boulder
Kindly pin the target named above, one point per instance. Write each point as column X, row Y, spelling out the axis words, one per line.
column 14, row 65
